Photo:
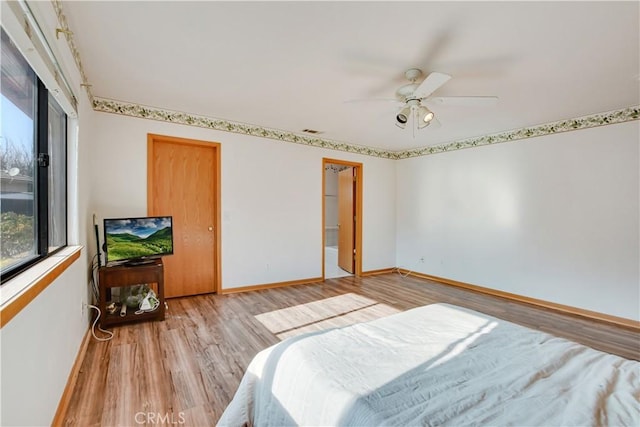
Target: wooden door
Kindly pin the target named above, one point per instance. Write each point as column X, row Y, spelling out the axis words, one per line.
column 346, row 219
column 183, row 182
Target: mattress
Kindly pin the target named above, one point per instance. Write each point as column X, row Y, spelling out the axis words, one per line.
column 435, row 365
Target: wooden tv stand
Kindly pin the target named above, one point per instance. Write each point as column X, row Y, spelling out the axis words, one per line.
column 127, row 275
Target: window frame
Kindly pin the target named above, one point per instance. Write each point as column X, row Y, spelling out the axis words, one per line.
column 63, row 173
column 41, row 208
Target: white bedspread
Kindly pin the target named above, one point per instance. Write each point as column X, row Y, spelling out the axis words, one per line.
column 438, row 364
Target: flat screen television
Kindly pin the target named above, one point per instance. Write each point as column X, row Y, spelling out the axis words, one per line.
column 137, row 240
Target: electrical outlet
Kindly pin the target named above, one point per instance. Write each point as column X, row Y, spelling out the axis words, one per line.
column 83, row 309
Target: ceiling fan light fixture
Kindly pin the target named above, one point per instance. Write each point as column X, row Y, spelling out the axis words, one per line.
column 403, row 117
column 424, row 117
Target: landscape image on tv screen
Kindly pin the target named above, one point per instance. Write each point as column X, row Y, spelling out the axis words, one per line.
column 131, row 238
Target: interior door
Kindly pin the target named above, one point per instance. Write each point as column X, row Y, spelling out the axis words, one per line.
column 346, row 219
column 183, row 177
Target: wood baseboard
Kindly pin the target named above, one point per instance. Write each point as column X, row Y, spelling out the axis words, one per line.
column 271, row 285
column 63, row 405
column 376, row 272
column 593, row 315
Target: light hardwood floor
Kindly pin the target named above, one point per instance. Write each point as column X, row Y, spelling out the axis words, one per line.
column 186, row 369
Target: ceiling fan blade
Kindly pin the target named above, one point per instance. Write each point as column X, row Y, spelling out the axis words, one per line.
column 467, row 101
column 430, row 84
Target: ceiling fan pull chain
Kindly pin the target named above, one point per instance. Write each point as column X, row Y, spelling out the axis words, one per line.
column 415, row 122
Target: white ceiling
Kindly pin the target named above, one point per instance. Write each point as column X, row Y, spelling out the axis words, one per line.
column 291, row 65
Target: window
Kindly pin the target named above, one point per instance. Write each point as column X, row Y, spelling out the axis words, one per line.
column 33, row 206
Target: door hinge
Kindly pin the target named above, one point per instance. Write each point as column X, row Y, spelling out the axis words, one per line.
column 43, row 160
column 354, row 251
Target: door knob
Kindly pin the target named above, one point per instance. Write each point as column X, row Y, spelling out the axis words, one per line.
column 210, row 228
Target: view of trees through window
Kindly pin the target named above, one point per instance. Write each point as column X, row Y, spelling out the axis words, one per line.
column 17, row 231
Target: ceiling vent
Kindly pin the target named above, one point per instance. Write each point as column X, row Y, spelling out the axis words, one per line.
column 311, row 131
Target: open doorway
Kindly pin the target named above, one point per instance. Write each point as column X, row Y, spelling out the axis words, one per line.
column 341, row 218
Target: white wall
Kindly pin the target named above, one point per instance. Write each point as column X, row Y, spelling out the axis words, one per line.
column 39, row 347
column 554, row 217
column 271, row 197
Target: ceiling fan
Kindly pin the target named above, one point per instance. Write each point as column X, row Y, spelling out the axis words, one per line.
column 412, row 97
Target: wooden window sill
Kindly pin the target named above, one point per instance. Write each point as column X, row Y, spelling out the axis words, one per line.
column 18, row 292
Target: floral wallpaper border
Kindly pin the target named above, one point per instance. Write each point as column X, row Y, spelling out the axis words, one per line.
column 585, row 122
column 68, row 34
column 335, row 168
column 152, row 113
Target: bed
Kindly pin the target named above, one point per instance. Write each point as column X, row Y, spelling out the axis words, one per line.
column 433, row 365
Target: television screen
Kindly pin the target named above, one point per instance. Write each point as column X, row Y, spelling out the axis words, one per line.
column 131, row 239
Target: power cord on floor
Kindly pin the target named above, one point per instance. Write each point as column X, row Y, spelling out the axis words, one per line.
column 397, row 269
column 93, row 326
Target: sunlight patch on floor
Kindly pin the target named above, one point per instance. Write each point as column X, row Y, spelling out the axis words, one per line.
column 334, row 312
